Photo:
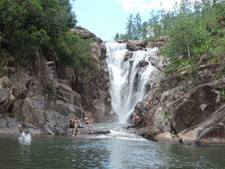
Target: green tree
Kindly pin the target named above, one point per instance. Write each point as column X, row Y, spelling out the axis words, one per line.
column 185, row 6
column 154, row 24
column 129, row 27
column 15, row 13
column 137, row 27
column 28, row 25
column 71, row 20
column 75, row 52
column 19, row 35
column 56, row 18
column 145, row 30
column 187, row 36
column 167, row 21
column 117, row 36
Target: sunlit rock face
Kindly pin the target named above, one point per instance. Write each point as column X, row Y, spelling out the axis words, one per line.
column 194, row 108
column 4, row 99
column 46, row 93
column 158, row 42
column 195, row 116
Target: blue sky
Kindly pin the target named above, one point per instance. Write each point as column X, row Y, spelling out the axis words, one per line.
column 105, row 18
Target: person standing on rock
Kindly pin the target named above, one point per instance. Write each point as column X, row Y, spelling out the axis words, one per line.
column 76, row 126
column 146, row 107
column 72, row 131
column 135, row 116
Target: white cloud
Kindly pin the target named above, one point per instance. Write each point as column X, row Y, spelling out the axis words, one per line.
column 142, row 5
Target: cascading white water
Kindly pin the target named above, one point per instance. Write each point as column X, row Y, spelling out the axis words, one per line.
column 127, row 79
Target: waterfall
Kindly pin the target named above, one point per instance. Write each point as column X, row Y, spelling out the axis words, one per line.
column 127, row 78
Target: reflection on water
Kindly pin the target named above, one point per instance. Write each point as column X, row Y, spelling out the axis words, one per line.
column 117, row 150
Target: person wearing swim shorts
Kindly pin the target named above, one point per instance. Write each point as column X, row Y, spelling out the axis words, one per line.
column 146, row 106
column 76, row 126
column 72, row 131
column 135, row 116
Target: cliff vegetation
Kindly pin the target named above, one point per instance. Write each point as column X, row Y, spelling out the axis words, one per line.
column 49, row 68
column 188, row 102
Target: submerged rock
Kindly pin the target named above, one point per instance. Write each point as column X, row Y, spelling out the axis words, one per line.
column 89, row 129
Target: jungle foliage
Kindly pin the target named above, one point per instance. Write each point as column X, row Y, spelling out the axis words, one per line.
column 28, row 25
column 197, row 31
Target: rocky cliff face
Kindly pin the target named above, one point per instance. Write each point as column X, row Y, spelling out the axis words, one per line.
column 44, row 95
column 184, row 113
column 192, row 112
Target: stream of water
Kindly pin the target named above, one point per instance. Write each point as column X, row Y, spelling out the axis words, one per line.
column 127, row 78
column 119, row 150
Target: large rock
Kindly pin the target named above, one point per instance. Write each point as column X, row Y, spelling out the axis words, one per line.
column 56, row 123
column 158, row 42
column 143, row 63
column 9, row 125
column 194, row 107
column 89, row 129
column 128, row 56
column 140, row 43
column 4, row 100
column 66, row 109
column 209, row 130
column 132, row 47
column 47, row 93
column 84, row 33
column 68, row 94
column 30, row 110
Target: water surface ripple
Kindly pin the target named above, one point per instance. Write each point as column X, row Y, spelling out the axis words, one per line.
column 117, row 150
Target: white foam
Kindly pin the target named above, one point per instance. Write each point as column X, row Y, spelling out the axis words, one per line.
column 127, row 84
column 25, row 138
column 120, row 135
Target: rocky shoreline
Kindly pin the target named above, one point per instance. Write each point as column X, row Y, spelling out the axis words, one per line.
column 44, row 95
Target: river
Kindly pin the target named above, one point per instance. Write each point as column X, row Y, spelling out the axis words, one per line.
column 116, row 150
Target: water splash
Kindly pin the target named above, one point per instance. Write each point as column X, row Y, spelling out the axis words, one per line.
column 25, row 139
column 127, row 79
